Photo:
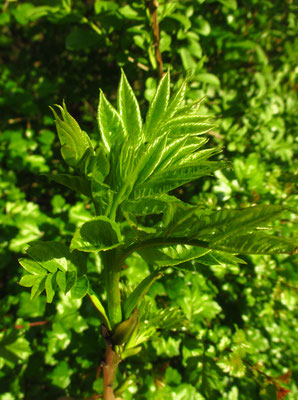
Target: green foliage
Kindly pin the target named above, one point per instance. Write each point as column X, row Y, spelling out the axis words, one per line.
column 242, row 58
column 185, row 233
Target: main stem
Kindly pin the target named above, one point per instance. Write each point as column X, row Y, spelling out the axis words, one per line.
column 109, row 372
column 112, row 270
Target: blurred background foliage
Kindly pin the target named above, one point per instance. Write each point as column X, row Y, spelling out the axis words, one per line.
column 237, row 337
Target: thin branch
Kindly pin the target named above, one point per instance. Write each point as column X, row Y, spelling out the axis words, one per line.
column 38, row 323
column 152, row 5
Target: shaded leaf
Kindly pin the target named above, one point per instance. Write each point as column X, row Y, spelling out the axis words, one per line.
column 50, row 286
column 80, row 289
column 32, row 266
column 139, row 292
column 256, row 243
column 76, row 183
column 99, row 234
column 38, row 287
column 28, row 280
column 51, row 255
column 171, row 255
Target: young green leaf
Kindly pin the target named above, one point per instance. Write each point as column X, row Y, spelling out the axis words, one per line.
column 74, row 141
column 28, row 280
column 174, row 177
column 129, row 110
column 110, row 123
column 153, row 154
column 80, row 289
column 50, row 286
column 139, row 292
column 124, row 330
column 219, row 225
column 38, row 286
column 158, row 107
column 32, row 267
column 256, row 243
column 171, row 255
column 102, row 196
column 51, row 255
column 177, row 100
column 97, row 303
column 99, row 234
column 61, row 281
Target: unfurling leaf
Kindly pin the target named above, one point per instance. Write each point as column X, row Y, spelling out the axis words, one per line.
column 74, row 141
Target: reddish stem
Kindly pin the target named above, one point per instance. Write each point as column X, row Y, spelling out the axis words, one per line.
column 38, row 323
column 109, row 373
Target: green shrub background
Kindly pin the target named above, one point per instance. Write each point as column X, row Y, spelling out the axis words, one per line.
column 239, row 325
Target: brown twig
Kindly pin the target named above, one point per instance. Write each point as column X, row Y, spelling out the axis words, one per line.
column 152, row 5
column 38, row 323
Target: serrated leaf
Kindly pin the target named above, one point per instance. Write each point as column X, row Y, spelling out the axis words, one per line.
column 129, row 110
column 32, row 266
column 50, row 286
column 177, row 100
column 149, row 205
column 76, row 183
column 51, row 255
column 110, row 123
column 190, row 109
column 153, row 153
column 28, row 280
column 124, row 160
column 168, row 318
column 170, row 153
column 199, row 156
column 74, row 141
column 192, row 145
column 188, row 128
column 174, row 177
column 158, row 106
column 217, row 258
column 256, row 243
column 171, row 255
column 99, row 234
column 220, row 224
column 80, row 289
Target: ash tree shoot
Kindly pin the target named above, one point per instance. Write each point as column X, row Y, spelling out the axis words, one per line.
column 127, row 177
